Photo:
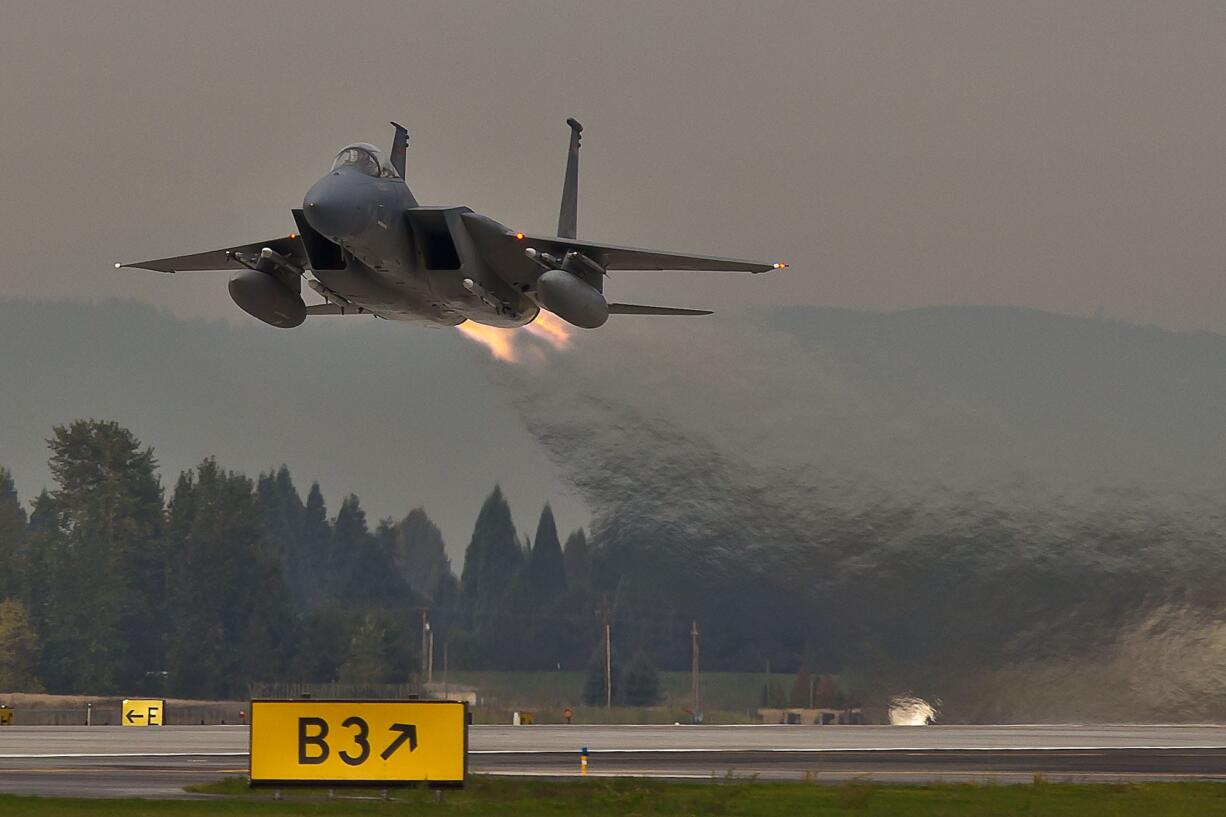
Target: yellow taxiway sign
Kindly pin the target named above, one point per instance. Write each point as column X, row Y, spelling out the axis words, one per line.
column 142, row 712
column 358, row 741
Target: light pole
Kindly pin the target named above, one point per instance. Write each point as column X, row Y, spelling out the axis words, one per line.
column 696, row 717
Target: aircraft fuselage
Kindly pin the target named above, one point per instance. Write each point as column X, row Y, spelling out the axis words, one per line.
column 405, row 262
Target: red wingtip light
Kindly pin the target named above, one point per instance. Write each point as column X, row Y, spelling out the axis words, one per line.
column 293, row 235
column 519, row 236
column 779, row 265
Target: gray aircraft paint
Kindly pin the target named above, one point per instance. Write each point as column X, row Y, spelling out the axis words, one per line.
column 370, row 248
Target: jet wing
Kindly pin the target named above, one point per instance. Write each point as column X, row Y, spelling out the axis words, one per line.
column 614, row 257
column 289, row 246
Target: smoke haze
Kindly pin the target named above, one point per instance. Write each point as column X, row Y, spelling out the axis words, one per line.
column 1007, row 511
column 1015, row 513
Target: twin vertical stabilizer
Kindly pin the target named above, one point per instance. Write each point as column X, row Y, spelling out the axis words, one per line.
column 568, row 218
column 400, row 146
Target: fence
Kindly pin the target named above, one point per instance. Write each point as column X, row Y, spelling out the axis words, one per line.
column 109, row 714
column 337, row 691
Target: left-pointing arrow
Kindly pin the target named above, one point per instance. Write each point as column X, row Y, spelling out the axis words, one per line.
column 132, row 715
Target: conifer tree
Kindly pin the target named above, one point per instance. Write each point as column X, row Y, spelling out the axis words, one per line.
column 421, row 555
column 282, row 517
column 578, row 561
column 546, row 568
column 106, row 560
column 313, row 550
column 232, row 624
column 362, row 565
column 18, row 649
column 492, row 560
column 641, row 686
column 34, row 570
column 12, row 536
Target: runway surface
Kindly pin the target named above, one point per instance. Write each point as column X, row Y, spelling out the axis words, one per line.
column 158, row 762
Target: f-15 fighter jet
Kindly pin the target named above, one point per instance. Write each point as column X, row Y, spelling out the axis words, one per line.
column 368, row 248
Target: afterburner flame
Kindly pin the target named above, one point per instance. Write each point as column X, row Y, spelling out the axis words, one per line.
column 500, row 342
column 511, row 346
column 551, row 329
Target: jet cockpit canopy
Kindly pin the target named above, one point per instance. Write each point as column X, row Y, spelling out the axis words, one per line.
column 365, row 158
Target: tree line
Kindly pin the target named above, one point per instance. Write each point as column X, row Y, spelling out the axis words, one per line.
column 112, row 584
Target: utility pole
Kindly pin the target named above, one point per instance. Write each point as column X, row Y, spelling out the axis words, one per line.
column 694, row 670
column 608, row 651
column 430, row 655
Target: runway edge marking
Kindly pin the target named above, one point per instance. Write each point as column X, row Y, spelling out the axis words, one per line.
column 845, row 749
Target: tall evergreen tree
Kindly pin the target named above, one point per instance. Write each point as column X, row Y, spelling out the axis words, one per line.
column 314, row 549
column 282, row 518
column 18, row 649
column 544, row 609
column 546, row 568
column 362, row 564
column 231, row 615
column 106, row 563
column 578, row 560
column 573, row 627
column 493, row 558
column 12, row 536
column 641, row 686
column 421, row 555
column 326, row 643
column 40, row 542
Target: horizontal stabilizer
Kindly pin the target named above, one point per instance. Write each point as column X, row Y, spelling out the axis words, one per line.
column 639, row 309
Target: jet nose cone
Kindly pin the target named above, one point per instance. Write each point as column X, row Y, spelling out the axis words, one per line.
column 335, row 208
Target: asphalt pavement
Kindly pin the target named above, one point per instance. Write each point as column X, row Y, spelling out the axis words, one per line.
column 158, row 762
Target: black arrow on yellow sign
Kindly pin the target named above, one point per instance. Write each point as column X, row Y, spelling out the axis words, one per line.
column 132, row 715
column 407, row 732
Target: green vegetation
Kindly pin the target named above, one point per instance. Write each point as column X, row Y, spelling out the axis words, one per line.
column 614, row 797
column 115, row 584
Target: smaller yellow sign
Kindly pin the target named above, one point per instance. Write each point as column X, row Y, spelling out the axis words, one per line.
column 142, row 712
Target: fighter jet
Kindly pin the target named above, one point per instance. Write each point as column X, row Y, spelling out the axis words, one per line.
column 368, row 248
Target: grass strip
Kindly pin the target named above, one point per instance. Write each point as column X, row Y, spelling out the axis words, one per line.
column 620, row 797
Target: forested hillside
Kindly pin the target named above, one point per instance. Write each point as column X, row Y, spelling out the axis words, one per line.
column 113, row 584
column 1015, row 512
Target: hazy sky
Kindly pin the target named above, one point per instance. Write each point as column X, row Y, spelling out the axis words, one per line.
column 1067, row 156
